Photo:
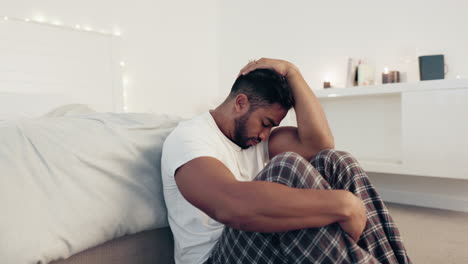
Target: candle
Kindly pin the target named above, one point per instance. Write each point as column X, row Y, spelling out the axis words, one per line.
column 386, row 78
column 394, row 76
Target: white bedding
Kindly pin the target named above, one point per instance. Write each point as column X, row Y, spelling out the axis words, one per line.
column 74, row 180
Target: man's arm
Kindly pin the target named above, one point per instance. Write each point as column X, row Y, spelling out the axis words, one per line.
column 263, row 206
column 313, row 132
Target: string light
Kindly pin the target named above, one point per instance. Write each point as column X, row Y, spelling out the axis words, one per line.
column 56, row 23
column 125, row 93
column 39, row 19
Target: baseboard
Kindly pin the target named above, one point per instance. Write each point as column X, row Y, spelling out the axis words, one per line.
column 424, row 199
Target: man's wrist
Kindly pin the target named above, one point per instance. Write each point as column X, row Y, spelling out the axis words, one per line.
column 348, row 203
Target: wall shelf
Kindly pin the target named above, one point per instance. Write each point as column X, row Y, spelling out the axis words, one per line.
column 404, row 128
column 392, row 88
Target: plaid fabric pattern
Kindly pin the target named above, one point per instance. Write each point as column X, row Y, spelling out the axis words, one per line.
column 329, row 169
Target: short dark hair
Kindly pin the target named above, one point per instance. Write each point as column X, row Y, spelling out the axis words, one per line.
column 263, row 87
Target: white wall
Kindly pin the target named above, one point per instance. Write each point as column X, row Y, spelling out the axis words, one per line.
column 319, row 36
column 169, row 47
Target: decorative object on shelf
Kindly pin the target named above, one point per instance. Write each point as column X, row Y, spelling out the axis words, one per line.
column 326, row 85
column 390, row 77
column 351, row 73
column 365, row 74
column 431, row 67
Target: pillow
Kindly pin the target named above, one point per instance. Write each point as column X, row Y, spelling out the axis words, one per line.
column 74, row 181
column 70, row 109
column 28, row 105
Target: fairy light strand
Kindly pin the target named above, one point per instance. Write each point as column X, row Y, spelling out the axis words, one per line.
column 56, row 23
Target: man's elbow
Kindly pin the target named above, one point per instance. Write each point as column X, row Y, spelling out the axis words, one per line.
column 235, row 218
column 328, row 142
column 224, row 216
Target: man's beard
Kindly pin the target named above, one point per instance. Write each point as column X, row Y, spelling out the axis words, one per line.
column 240, row 133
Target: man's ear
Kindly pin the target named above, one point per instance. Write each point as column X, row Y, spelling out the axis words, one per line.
column 241, row 104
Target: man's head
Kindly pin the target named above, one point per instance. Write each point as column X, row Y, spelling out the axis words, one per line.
column 263, row 87
column 261, row 100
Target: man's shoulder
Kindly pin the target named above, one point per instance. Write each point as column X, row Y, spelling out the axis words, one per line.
column 193, row 128
column 191, row 136
column 190, row 139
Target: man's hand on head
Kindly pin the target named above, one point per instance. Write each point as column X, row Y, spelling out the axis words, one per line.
column 312, row 133
column 282, row 67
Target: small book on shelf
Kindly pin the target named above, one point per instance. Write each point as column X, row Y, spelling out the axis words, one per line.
column 431, row 67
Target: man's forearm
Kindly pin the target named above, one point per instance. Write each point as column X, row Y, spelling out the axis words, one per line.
column 313, row 128
column 271, row 207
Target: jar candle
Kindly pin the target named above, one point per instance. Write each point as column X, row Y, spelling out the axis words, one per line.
column 386, row 78
column 395, row 76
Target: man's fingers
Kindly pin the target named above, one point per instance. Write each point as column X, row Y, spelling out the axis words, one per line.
column 252, row 66
column 245, row 67
column 249, row 65
column 255, row 64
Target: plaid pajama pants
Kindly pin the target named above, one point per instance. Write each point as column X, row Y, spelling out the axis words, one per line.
column 329, row 169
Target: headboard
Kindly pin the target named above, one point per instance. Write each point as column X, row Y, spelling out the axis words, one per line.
column 44, row 66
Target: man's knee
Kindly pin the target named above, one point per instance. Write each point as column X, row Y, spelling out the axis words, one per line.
column 287, row 157
column 332, row 152
column 336, row 156
column 291, row 169
column 290, row 160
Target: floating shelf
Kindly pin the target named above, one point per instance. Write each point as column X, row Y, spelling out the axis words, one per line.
column 392, row 88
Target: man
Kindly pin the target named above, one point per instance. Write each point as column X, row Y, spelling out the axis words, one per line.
column 236, row 194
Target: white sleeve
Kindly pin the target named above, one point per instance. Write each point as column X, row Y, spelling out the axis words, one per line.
column 182, row 146
column 266, row 151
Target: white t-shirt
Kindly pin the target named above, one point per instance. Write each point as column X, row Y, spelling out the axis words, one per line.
column 195, row 233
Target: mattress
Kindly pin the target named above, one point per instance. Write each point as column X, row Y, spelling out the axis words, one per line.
column 155, row 246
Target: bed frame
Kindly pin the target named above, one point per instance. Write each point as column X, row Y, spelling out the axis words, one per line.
column 148, row 247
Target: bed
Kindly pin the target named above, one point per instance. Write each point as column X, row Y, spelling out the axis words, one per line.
column 83, row 186
column 79, row 177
